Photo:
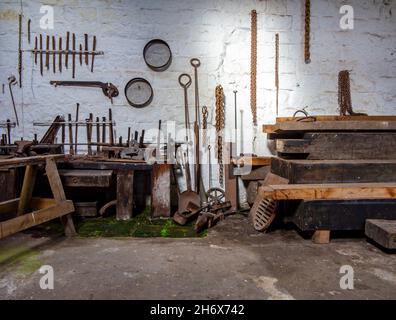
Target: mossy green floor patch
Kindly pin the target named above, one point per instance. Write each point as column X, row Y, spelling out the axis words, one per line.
column 139, row 226
column 22, row 259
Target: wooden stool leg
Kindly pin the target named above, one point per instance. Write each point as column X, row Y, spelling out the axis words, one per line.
column 321, row 237
column 59, row 194
column 27, row 189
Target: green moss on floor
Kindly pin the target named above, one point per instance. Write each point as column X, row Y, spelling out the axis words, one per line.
column 140, row 226
column 22, row 259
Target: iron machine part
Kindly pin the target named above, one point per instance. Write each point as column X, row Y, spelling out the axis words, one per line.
column 157, row 55
column 11, row 82
column 108, row 89
column 139, row 92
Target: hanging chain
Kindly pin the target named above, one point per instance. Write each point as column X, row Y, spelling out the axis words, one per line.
column 344, row 95
column 307, row 53
column 253, row 66
column 220, row 124
column 205, row 114
column 277, row 72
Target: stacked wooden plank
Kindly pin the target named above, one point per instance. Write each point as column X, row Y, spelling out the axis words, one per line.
column 342, row 167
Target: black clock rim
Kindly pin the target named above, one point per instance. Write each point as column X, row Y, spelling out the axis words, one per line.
column 136, row 105
column 164, row 66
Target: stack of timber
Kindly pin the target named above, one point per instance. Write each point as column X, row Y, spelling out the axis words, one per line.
column 341, row 171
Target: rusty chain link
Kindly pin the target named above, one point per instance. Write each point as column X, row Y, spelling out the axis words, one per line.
column 344, row 95
column 220, row 124
column 253, row 66
column 277, row 72
column 205, row 114
column 307, row 31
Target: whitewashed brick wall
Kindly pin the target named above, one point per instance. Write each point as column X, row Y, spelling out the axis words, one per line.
column 218, row 33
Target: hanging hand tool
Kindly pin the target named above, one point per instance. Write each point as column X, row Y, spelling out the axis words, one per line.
column 80, row 54
column 199, row 186
column 103, row 129
column 60, row 54
column 111, row 132
column 93, row 50
column 9, row 130
column 97, row 135
column 53, row 54
column 253, row 75
column 241, row 146
column 71, row 150
column 277, row 72
column 76, row 129
column 35, row 50
column 28, row 25
column 86, row 48
column 236, row 121
column 187, row 196
column 195, row 63
column 41, row 54
column 12, row 82
column 74, row 56
column 158, row 152
column 109, row 89
column 89, row 133
column 67, row 50
column 47, row 53
column 129, row 137
column 141, row 140
column 20, row 51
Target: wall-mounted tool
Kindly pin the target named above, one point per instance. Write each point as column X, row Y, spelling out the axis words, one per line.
column 93, row 50
column 35, row 49
column 76, row 128
column 28, row 29
column 3, row 88
column 47, row 53
column 53, row 54
column 20, row 51
column 86, row 48
column 80, row 54
column 109, row 89
column 74, row 56
column 67, row 50
column 187, row 196
column 235, row 122
column 41, row 54
column 60, row 54
column 111, row 130
column 11, row 82
column 199, row 187
column 157, row 55
column 139, row 92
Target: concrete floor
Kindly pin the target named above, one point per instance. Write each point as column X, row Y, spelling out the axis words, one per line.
column 232, row 262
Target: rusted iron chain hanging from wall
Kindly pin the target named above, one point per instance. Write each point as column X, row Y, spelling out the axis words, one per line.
column 220, row 124
column 253, row 66
column 307, row 32
column 344, row 95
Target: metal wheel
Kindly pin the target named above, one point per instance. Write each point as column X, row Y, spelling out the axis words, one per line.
column 263, row 212
column 215, row 195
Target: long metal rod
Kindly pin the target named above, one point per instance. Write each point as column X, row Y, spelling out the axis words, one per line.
column 45, row 124
column 20, row 51
column 76, row 132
